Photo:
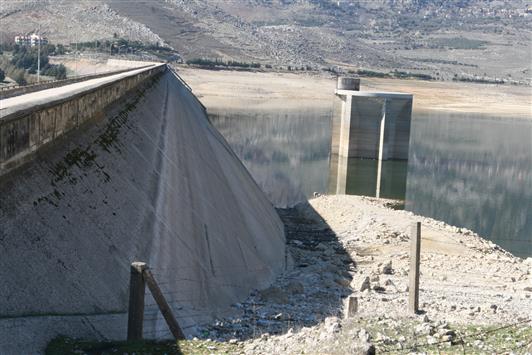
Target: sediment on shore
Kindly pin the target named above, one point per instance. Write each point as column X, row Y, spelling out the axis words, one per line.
column 351, row 246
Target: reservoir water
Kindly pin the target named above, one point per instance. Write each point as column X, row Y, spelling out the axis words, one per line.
column 469, row 170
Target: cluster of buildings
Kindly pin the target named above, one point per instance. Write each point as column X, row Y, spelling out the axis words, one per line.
column 30, row 40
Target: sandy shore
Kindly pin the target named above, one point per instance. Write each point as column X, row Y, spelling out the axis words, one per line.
column 226, row 89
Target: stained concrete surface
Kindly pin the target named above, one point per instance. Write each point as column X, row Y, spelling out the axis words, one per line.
column 153, row 181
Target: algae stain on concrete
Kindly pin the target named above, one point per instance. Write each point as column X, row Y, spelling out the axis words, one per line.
column 85, row 159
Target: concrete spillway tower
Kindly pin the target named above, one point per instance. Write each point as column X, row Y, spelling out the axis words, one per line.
column 371, row 134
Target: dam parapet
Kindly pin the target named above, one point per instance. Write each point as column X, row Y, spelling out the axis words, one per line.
column 31, row 121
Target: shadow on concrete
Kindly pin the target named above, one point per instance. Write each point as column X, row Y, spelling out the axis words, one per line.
column 312, row 289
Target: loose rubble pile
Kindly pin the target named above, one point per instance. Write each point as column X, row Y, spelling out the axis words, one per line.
column 354, row 247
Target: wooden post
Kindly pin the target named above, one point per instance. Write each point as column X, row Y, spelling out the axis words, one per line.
column 136, row 302
column 163, row 305
column 415, row 251
column 351, row 307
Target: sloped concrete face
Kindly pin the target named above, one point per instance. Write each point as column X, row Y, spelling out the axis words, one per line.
column 153, row 181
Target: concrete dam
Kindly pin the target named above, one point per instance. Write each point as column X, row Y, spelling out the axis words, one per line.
column 98, row 174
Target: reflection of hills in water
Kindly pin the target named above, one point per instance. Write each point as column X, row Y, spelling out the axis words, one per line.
column 470, row 171
column 286, row 151
column 474, row 172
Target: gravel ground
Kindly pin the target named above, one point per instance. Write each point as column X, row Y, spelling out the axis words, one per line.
column 475, row 297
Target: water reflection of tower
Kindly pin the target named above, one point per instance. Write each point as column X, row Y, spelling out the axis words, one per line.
column 370, row 142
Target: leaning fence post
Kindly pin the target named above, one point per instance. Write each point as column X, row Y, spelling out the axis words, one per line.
column 415, row 252
column 136, row 301
column 163, row 305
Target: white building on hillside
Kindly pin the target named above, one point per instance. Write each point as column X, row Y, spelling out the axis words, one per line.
column 31, row 40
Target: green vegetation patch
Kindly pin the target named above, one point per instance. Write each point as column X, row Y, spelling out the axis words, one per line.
column 27, row 58
column 213, row 63
column 394, row 74
column 404, row 337
column 458, row 43
column 64, row 345
column 124, row 46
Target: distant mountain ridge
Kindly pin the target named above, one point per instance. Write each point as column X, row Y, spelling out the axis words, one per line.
column 443, row 38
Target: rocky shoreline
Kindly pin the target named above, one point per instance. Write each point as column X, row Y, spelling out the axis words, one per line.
column 475, row 297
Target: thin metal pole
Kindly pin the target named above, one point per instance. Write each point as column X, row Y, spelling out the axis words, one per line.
column 39, row 55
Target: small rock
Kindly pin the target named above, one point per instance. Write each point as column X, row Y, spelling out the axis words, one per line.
column 371, row 350
column 387, row 269
column 389, row 283
column 295, row 287
column 424, row 329
column 363, row 335
column 342, row 281
column 431, row 340
column 332, row 325
column 446, row 338
column 273, row 294
column 379, row 289
column 365, row 285
column 233, row 341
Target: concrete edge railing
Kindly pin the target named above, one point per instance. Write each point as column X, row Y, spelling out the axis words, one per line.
column 11, row 91
column 185, row 84
column 24, row 131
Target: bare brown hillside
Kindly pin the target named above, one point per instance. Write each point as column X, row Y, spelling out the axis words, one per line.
column 460, row 39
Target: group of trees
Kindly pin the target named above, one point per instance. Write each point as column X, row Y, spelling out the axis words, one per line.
column 220, row 63
column 393, row 74
column 123, row 46
column 27, row 58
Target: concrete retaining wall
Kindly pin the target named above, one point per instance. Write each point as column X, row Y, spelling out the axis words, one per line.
column 24, row 131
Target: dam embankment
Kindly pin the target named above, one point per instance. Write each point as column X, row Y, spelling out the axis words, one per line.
column 149, row 179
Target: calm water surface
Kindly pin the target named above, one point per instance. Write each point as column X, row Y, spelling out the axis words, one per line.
column 469, row 170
